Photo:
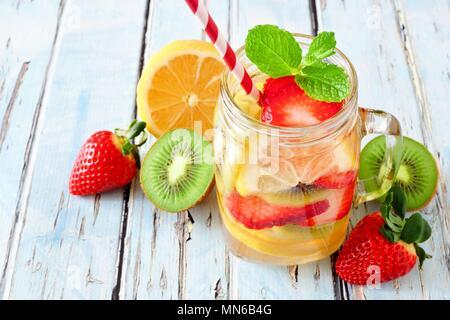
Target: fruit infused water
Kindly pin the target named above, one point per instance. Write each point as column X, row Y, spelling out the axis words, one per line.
column 285, row 198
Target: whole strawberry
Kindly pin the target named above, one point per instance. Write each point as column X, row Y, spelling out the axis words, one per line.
column 107, row 160
column 383, row 242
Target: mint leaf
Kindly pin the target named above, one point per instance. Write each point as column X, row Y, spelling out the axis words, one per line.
column 399, row 201
column 273, row 50
column 327, row 82
column 416, row 229
column 421, row 254
column 320, row 48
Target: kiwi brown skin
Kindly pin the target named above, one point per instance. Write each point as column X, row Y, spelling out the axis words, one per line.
column 204, row 196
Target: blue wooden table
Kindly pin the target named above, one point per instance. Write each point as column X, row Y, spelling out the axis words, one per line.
column 70, row 67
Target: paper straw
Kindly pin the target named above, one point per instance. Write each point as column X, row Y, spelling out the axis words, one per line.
column 224, row 48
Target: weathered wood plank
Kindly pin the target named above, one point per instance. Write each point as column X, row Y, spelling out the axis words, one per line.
column 207, row 260
column 426, row 36
column 24, row 60
column 167, row 255
column 369, row 33
column 67, row 246
column 152, row 245
column 256, row 281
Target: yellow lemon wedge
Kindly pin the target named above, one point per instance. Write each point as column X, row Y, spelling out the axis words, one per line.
column 180, row 85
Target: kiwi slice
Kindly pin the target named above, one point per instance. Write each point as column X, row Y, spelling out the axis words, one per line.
column 417, row 174
column 178, row 170
column 298, row 196
column 298, row 233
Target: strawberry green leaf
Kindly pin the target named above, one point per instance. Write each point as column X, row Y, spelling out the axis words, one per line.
column 389, row 234
column 320, row 48
column 135, row 129
column 327, row 82
column 416, row 230
column 395, row 222
column 273, row 50
column 421, row 254
column 399, row 201
column 386, row 207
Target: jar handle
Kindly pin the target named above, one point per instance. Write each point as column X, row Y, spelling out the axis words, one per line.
column 377, row 121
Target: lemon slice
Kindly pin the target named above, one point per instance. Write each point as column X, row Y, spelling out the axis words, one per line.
column 180, row 85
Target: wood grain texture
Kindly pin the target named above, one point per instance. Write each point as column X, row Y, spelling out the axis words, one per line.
column 257, row 281
column 376, row 46
column 152, row 247
column 167, row 255
column 67, row 246
column 207, row 260
column 426, row 36
column 24, row 60
column 72, row 70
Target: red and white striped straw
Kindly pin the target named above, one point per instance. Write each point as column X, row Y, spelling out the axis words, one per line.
column 224, row 48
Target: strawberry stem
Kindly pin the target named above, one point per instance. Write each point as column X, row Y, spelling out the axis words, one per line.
column 135, row 130
column 127, row 147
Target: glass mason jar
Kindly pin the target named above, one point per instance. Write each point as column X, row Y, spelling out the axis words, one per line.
column 285, row 194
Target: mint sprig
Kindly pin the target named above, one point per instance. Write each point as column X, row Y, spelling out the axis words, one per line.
column 414, row 229
column 276, row 52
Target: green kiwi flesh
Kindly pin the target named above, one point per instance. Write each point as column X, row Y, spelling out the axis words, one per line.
column 417, row 174
column 178, row 170
column 298, row 196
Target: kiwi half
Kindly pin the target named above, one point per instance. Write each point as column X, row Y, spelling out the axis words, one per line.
column 178, row 170
column 417, row 174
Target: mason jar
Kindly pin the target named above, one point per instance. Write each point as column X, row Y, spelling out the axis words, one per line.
column 276, row 186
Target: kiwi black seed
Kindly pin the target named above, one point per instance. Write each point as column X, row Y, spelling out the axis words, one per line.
column 178, row 170
column 417, row 174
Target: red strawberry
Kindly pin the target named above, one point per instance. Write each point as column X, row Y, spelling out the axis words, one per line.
column 255, row 213
column 367, row 249
column 340, row 205
column 336, row 180
column 286, row 104
column 106, row 161
column 384, row 245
